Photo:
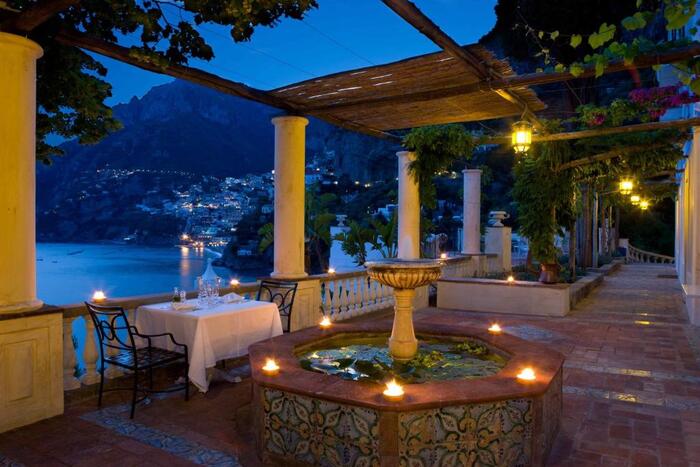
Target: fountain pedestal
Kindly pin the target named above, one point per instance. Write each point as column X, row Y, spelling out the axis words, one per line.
column 404, row 276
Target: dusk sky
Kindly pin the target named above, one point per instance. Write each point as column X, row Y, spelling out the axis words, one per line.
column 339, row 35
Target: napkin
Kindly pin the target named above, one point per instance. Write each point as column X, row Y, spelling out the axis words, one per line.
column 182, row 306
column 233, row 297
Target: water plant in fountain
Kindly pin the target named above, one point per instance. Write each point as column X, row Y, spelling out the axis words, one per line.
column 367, row 358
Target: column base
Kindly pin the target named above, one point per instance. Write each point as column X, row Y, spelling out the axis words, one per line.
column 21, row 307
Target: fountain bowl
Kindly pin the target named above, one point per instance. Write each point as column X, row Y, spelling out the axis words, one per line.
column 404, row 273
column 302, row 417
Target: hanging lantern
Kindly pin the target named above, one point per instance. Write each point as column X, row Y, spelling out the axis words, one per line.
column 626, row 186
column 644, row 205
column 635, row 199
column 522, row 136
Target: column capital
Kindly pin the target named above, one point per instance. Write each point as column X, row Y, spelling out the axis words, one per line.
column 283, row 120
column 13, row 40
column 410, row 155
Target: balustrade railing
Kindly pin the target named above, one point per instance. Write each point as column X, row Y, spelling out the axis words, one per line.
column 636, row 255
column 345, row 295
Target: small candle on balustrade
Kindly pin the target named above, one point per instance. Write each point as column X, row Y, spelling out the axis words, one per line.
column 331, row 270
column 325, row 323
column 495, row 328
column 235, row 282
column 393, row 392
column 443, row 255
column 99, row 296
column 511, row 279
column 527, row 374
column 271, row 367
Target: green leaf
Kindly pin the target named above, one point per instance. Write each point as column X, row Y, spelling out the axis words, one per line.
column 634, row 22
column 559, row 68
column 695, row 85
column 576, row 69
column 600, row 64
column 554, row 35
column 639, row 3
column 576, row 40
column 540, row 34
column 678, row 14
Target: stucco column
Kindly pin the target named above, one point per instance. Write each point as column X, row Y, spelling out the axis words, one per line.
column 409, row 209
column 17, row 173
column 290, row 166
column 471, row 216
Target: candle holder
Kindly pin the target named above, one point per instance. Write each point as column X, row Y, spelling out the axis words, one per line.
column 394, row 391
column 271, row 368
column 527, row 375
column 325, row 323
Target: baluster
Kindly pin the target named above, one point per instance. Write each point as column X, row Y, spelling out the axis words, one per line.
column 90, row 354
column 336, row 301
column 373, row 299
column 69, row 357
column 353, row 296
column 366, row 300
column 325, row 298
column 343, row 298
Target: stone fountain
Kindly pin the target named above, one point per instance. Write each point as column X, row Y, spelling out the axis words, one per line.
column 404, row 276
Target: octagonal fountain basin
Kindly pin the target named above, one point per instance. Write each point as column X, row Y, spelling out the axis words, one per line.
column 466, row 407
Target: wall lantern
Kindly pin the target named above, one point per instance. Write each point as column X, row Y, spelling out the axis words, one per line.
column 522, row 136
column 626, row 186
column 635, row 200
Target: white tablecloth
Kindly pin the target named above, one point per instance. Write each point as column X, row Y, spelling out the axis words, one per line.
column 211, row 334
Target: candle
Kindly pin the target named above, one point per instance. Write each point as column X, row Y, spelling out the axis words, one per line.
column 495, row 329
column 393, row 391
column 331, row 270
column 443, row 255
column 99, row 296
column 271, row 367
column 527, row 374
column 235, row 282
column 325, row 322
column 511, row 279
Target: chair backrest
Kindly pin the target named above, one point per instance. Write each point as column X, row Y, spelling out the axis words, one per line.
column 112, row 327
column 282, row 294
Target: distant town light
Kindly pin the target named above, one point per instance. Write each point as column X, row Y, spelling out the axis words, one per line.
column 357, row 182
column 99, row 296
column 635, row 199
column 273, row 171
column 185, row 236
column 644, row 205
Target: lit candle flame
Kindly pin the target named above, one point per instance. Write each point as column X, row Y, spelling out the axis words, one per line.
column 99, row 296
column 331, row 270
column 393, row 391
column 325, row 322
column 235, row 282
column 510, row 279
column 495, row 328
column 443, row 255
column 527, row 374
column 271, row 367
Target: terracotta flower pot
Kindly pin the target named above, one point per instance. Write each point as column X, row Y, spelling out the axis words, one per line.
column 549, row 273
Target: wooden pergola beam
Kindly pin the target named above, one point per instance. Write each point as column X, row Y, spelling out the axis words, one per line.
column 36, row 15
column 608, row 155
column 416, row 18
column 530, row 79
column 651, row 126
column 204, row 78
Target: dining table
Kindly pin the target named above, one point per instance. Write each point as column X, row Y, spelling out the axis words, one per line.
column 212, row 332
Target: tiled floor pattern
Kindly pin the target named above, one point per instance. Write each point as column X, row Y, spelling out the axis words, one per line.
column 631, row 395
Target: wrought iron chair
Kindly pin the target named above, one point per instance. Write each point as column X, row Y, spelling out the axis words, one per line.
column 115, row 332
column 282, row 294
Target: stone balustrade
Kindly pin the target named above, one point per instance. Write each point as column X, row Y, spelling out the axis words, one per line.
column 346, row 295
column 636, row 255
